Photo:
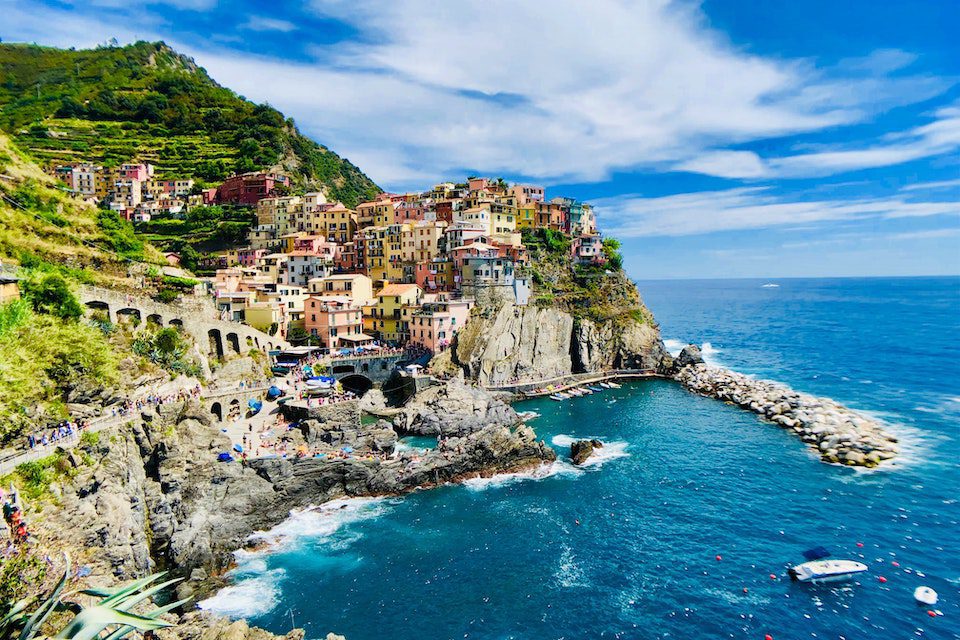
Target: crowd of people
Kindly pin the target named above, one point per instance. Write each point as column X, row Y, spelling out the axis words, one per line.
column 58, row 433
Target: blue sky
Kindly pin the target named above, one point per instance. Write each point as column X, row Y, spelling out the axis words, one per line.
column 723, row 138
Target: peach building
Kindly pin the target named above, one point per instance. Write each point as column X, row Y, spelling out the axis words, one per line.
column 336, row 323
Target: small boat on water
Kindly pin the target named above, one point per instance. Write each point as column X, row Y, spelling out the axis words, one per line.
column 595, row 389
column 614, row 385
column 559, row 396
column 818, row 570
column 925, row 595
column 585, row 392
column 606, row 385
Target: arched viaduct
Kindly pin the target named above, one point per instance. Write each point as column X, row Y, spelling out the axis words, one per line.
column 197, row 320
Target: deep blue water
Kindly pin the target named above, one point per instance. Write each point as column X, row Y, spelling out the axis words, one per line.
column 627, row 548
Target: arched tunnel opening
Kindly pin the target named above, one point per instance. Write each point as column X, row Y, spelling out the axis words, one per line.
column 356, row 384
column 398, row 389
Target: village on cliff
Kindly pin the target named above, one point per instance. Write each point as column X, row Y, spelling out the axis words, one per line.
column 404, row 269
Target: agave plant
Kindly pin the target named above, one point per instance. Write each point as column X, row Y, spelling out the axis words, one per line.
column 112, row 611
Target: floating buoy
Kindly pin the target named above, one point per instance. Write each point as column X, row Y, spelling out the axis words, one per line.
column 719, row 557
column 768, row 637
column 925, row 595
column 882, row 579
column 932, row 613
column 745, row 590
column 773, row 576
column 859, row 544
column 895, row 563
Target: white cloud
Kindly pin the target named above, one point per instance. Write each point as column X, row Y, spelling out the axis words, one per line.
column 939, row 184
column 557, row 90
column 940, row 136
column 749, row 208
column 261, row 23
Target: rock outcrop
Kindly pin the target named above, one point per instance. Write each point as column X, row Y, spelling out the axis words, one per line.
column 836, row 433
column 581, row 450
column 453, row 409
column 153, row 496
column 508, row 342
column 689, row 356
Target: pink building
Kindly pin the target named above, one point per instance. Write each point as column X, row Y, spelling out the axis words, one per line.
column 435, row 324
column 249, row 257
column 141, row 172
column 317, row 245
column 335, row 323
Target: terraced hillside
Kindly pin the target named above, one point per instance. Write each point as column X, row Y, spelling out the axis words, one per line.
column 146, row 101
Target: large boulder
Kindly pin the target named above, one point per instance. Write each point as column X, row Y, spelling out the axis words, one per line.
column 690, row 356
column 581, row 450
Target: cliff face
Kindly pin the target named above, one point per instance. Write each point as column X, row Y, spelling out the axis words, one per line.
column 538, row 343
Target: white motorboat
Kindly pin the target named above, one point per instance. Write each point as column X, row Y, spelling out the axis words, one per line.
column 925, row 595
column 826, row 570
column 559, row 396
column 614, row 385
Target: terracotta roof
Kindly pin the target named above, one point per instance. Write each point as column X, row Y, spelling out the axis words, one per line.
column 396, row 289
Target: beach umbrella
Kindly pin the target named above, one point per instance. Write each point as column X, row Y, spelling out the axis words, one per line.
column 347, row 449
column 238, row 448
column 224, row 457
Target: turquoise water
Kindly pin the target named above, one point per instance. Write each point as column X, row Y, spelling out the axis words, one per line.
column 626, row 547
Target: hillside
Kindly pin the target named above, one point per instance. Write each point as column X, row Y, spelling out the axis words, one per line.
column 146, row 101
column 41, row 223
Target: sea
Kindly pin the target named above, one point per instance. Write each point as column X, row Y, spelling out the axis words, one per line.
column 685, row 524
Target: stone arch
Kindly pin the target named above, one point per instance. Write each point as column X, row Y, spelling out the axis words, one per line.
column 155, row 318
column 217, row 410
column 129, row 314
column 216, row 343
column 365, row 367
column 234, row 341
column 356, row 383
column 176, row 322
column 343, row 368
column 98, row 305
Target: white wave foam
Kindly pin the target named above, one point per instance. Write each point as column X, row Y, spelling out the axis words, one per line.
column 709, row 353
column 558, row 468
column 313, row 523
column 673, row 346
column 609, row 450
column 569, row 573
column 249, row 597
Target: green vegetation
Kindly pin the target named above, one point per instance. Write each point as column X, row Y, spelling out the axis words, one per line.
column 35, row 477
column 40, row 224
column 35, row 618
column 166, row 348
column 600, row 293
column 17, row 574
column 42, row 357
column 203, row 230
column 48, row 292
column 146, row 101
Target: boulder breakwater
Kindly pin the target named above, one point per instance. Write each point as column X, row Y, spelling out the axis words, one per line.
column 838, row 434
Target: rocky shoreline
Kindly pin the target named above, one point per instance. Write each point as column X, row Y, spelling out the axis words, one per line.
column 836, row 433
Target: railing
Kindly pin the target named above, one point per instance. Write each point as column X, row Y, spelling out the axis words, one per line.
column 570, row 380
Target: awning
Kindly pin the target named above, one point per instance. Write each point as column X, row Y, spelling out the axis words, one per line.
column 357, row 337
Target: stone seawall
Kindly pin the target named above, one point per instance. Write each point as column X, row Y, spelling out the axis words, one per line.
column 838, row 434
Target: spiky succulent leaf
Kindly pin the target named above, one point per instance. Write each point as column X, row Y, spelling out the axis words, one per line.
column 132, row 599
column 90, row 622
column 14, row 616
column 129, row 588
column 47, row 606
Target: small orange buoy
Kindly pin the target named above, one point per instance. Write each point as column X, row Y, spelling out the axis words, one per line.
column 895, row 563
column 768, row 637
column 773, row 576
column 859, row 544
column 932, row 613
column 882, row 579
column 719, row 557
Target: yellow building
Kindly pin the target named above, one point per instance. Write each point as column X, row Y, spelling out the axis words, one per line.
column 365, row 214
column 279, row 211
column 503, row 218
column 384, row 213
column 338, row 223
column 386, row 318
column 393, row 251
column 425, row 241
column 527, row 216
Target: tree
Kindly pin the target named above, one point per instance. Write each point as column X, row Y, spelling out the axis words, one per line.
column 51, row 294
column 611, row 251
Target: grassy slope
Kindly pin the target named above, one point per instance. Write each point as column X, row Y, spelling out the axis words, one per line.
column 40, row 221
column 146, row 101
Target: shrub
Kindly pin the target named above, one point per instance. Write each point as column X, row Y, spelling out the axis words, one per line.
column 50, row 293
